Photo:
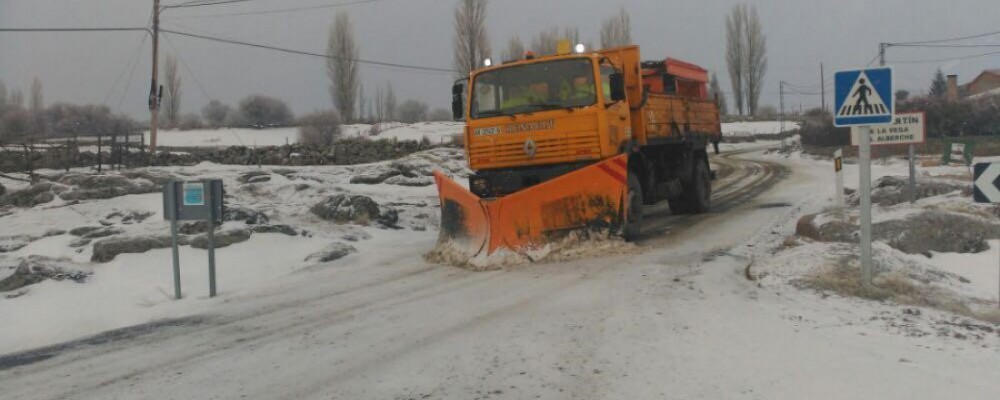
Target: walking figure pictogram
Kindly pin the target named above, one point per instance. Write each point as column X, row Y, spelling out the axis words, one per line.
column 862, row 95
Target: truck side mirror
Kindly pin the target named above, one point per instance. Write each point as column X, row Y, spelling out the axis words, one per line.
column 617, row 83
column 457, row 105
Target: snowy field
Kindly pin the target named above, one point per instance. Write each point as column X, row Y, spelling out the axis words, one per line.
column 756, row 128
column 436, row 132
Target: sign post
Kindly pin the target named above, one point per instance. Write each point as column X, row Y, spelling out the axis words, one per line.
column 193, row 201
column 906, row 128
column 864, row 98
column 838, row 169
column 987, row 189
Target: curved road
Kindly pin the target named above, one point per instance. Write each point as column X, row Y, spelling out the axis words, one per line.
column 666, row 323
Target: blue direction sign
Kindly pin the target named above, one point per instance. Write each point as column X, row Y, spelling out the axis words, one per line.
column 987, row 183
column 863, row 97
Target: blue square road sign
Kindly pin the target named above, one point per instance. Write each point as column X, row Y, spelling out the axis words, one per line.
column 863, row 97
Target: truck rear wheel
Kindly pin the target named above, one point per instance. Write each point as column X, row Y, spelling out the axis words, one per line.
column 697, row 195
column 632, row 220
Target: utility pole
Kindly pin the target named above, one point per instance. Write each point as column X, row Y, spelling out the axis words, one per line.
column 781, row 97
column 822, row 85
column 154, row 97
column 881, row 53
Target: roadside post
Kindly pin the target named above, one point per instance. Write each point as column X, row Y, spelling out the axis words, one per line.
column 193, row 201
column 864, row 99
column 838, row 169
column 907, row 128
column 987, row 190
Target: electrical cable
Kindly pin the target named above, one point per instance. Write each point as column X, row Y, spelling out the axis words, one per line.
column 279, row 11
column 307, row 53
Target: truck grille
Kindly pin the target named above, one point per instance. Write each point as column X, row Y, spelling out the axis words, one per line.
column 550, row 148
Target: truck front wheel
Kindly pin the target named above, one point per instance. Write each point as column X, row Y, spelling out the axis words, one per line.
column 632, row 220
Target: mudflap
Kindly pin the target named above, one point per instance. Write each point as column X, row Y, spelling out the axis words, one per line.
column 590, row 198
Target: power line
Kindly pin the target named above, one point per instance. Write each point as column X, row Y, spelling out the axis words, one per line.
column 133, row 59
column 307, row 53
column 947, row 59
column 199, row 3
column 944, row 46
column 279, row 11
column 954, row 39
column 112, row 29
column 188, row 69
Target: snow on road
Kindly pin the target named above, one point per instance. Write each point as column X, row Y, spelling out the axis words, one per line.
column 677, row 320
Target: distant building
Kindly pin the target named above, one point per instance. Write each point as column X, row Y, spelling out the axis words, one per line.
column 987, row 81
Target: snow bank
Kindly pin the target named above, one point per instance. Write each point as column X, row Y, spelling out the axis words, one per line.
column 756, row 128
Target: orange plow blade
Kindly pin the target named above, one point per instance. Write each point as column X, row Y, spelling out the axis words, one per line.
column 588, row 198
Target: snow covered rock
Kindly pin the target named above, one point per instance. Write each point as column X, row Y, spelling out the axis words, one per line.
column 14, row 243
column 254, row 177
column 916, row 233
column 39, row 193
column 2, row 189
column 222, row 239
column 892, row 190
column 355, row 209
column 244, row 214
column 282, row 229
column 35, row 269
column 332, row 252
column 107, row 249
column 89, row 187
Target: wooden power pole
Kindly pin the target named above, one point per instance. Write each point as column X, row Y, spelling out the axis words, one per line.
column 154, row 96
column 822, row 85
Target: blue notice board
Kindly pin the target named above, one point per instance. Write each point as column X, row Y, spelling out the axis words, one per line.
column 194, row 194
column 863, row 97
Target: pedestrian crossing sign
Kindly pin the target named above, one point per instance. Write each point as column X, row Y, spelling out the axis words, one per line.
column 863, row 97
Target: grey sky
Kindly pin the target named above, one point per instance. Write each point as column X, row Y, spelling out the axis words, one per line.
column 83, row 67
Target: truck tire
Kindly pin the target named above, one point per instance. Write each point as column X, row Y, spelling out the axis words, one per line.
column 697, row 195
column 632, row 220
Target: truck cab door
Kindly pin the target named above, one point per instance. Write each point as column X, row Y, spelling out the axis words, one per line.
column 616, row 111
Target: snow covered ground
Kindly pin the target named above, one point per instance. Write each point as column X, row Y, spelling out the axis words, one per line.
column 436, row 132
column 756, row 128
column 711, row 309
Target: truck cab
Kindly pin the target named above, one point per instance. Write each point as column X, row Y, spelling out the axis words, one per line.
column 531, row 120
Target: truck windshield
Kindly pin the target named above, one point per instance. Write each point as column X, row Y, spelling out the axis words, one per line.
column 533, row 87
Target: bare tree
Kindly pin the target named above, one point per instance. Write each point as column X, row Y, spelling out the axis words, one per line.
column 16, row 99
column 411, row 111
column 173, row 82
column 37, row 108
column 756, row 58
column 3, row 97
column 319, row 128
column 718, row 95
column 513, row 51
column 572, row 35
column 361, row 102
column 215, row 113
column 37, row 104
column 390, row 102
column 736, row 53
column 546, row 42
column 472, row 44
column 342, row 66
column 617, row 31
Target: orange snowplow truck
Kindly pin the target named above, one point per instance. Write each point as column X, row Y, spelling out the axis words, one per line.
column 577, row 141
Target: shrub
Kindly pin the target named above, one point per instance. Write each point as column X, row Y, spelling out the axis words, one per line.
column 412, row 111
column 262, row 111
column 319, row 128
column 215, row 113
column 189, row 122
column 440, row 114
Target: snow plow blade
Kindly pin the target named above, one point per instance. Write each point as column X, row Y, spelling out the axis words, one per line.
column 590, row 198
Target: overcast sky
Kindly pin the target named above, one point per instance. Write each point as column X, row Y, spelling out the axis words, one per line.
column 84, row 67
